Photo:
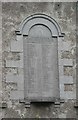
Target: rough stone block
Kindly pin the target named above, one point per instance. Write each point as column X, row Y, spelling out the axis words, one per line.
column 14, row 78
column 17, row 95
column 68, row 70
column 65, row 62
column 66, row 46
column 70, row 95
column 68, row 62
column 11, row 78
column 68, row 87
column 13, row 63
column 66, row 79
column 67, row 95
column 67, row 55
column 17, row 46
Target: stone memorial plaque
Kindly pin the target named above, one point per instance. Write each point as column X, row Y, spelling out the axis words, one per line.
column 40, row 68
column 39, row 44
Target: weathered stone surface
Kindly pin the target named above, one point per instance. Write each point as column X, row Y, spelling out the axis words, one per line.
column 66, row 45
column 67, row 55
column 12, row 63
column 70, row 94
column 15, row 63
column 17, row 46
column 68, row 87
column 13, row 78
column 65, row 15
column 68, row 70
column 66, row 79
column 66, row 62
column 16, row 95
column 12, row 56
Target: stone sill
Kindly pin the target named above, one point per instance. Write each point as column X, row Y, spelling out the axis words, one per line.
column 56, row 103
column 3, row 105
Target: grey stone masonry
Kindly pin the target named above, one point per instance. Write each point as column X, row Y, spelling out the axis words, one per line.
column 63, row 79
column 55, row 21
column 17, row 95
column 17, row 63
column 17, row 47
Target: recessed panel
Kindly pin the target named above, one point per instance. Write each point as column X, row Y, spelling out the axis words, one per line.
column 41, row 69
column 40, row 65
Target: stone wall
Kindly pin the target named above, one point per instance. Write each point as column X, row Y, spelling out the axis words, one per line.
column 12, row 15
